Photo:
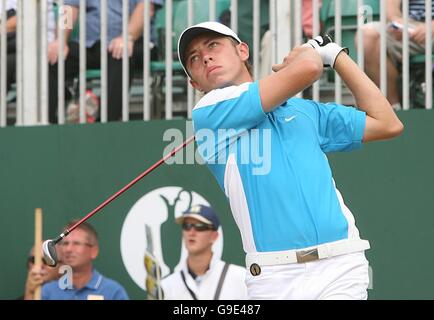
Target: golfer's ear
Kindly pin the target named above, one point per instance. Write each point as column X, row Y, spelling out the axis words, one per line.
column 243, row 50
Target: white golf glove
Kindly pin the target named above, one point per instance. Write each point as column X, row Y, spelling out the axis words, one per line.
column 327, row 49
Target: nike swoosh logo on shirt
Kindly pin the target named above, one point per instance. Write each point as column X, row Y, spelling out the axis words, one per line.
column 289, row 118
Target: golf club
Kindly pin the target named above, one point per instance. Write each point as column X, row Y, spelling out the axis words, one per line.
column 48, row 247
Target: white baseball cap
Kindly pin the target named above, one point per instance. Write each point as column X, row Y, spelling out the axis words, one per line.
column 190, row 33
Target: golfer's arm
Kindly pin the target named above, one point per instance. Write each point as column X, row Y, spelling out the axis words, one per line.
column 381, row 121
column 302, row 67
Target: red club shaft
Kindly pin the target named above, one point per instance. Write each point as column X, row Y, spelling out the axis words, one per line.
column 129, row 185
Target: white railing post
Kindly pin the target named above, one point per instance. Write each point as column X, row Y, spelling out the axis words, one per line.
column 125, row 63
column 315, row 32
column 283, row 45
column 29, row 63
column 338, row 40
column 63, row 18
column 169, row 60
column 234, row 15
column 297, row 28
column 256, row 38
column 146, row 61
column 104, row 61
column 190, row 93
column 360, row 23
column 43, row 60
column 405, row 58
column 428, row 55
column 383, row 48
column 212, row 10
column 82, row 57
column 3, row 66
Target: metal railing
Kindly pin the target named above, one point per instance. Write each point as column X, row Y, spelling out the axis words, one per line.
column 285, row 27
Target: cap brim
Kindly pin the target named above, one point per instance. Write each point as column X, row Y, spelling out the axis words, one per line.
column 185, row 39
column 195, row 216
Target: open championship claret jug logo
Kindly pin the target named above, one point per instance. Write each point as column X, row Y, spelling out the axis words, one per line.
column 152, row 219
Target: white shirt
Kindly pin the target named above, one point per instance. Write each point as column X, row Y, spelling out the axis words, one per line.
column 51, row 23
column 234, row 287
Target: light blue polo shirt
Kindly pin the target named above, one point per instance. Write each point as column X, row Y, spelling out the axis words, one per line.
column 273, row 166
column 97, row 286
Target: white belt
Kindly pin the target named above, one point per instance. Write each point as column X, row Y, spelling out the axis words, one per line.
column 323, row 251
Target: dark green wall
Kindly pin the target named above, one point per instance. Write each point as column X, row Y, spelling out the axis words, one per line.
column 69, row 170
column 389, row 186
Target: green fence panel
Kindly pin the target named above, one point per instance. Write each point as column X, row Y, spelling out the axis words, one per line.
column 69, row 170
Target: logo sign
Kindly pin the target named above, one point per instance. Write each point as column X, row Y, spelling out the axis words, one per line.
column 156, row 212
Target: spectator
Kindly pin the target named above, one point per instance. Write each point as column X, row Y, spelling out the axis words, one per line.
column 115, row 45
column 11, row 20
column 203, row 275
column 11, row 25
column 245, row 21
column 225, row 17
column 307, row 18
column 371, row 40
column 245, row 26
column 37, row 276
column 78, row 251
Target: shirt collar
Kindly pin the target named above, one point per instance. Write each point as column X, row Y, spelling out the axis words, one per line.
column 214, row 260
column 95, row 281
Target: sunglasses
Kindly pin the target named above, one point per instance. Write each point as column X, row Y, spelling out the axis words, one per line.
column 65, row 243
column 197, row 226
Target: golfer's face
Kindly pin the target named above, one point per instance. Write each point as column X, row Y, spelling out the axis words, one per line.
column 214, row 62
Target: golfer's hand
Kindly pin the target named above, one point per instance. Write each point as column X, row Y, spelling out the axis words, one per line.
column 327, row 49
column 297, row 51
column 116, row 47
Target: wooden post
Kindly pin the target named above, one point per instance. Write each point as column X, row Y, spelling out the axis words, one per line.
column 38, row 247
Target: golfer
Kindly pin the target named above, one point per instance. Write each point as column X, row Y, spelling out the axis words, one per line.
column 300, row 239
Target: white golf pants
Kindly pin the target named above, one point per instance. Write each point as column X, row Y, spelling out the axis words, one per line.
column 342, row 277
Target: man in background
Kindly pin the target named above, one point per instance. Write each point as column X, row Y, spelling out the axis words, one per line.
column 203, row 276
column 78, row 251
column 115, row 45
column 38, row 275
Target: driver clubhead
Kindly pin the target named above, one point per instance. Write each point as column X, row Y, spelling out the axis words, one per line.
column 50, row 254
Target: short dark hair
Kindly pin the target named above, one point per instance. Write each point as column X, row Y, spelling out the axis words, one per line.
column 88, row 228
column 247, row 63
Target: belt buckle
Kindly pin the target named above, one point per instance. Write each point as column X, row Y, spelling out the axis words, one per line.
column 307, row 255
